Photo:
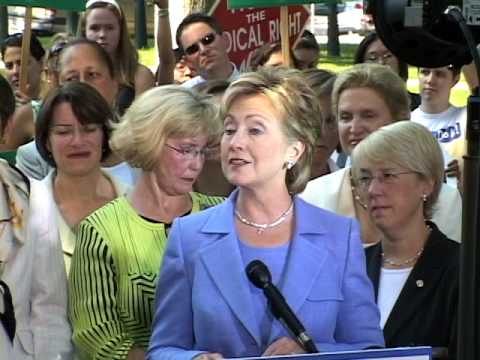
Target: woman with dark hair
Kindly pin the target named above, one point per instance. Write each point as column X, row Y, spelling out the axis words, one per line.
column 33, row 293
column 85, row 61
column 372, row 50
column 7, row 108
column 269, row 55
column 73, row 128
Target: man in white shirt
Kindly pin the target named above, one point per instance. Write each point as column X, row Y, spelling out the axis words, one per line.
column 446, row 122
column 201, row 38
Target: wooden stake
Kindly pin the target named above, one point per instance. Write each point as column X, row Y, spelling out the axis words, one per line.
column 27, row 34
column 284, row 34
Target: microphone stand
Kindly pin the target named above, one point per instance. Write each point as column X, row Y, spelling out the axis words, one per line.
column 468, row 314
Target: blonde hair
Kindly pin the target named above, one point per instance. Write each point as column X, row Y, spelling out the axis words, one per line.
column 380, row 78
column 126, row 57
column 408, row 145
column 298, row 106
column 161, row 113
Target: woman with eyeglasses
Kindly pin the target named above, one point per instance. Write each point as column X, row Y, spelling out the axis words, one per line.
column 366, row 97
column 398, row 170
column 104, row 22
column 120, row 246
column 372, row 50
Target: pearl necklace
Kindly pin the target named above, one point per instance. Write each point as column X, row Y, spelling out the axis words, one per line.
column 409, row 260
column 262, row 227
column 403, row 262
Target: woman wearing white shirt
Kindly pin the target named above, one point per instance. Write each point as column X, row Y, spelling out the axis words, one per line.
column 398, row 170
column 72, row 133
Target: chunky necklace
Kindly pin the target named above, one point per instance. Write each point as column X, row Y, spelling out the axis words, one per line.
column 262, row 227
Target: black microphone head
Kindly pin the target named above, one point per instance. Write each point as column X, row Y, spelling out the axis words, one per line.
column 258, row 274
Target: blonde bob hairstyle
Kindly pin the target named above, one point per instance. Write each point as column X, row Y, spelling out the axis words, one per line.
column 161, row 113
column 126, row 57
column 380, row 78
column 298, row 109
column 408, row 145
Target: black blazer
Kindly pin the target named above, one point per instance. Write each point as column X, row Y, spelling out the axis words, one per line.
column 425, row 312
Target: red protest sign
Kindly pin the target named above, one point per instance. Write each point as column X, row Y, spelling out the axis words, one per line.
column 248, row 29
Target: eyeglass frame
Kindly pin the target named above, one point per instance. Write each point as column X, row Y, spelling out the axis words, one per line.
column 205, row 41
column 190, row 153
column 364, row 182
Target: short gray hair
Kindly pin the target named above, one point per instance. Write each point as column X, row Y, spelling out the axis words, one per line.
column 406, row 144
column 158, row 114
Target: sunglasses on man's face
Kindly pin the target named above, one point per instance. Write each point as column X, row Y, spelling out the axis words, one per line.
column 206, row 40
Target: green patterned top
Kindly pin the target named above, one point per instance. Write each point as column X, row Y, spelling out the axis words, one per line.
column 113, row 277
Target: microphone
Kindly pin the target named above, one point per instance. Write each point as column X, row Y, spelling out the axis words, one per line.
column 259, row 275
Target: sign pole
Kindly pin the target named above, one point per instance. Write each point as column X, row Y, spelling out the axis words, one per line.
column 285, row 36
column 27, row 34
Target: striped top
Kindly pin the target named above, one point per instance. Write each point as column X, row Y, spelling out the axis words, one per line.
column 113, row 277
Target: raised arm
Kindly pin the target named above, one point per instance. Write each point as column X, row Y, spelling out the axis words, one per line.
column 166, row 59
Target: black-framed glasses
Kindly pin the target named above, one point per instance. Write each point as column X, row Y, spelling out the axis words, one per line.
column 206, row 40
column 189, row 153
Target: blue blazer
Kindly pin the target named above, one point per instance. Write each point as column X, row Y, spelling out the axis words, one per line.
column 203, row 299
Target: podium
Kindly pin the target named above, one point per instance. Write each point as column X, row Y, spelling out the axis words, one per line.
column 406, row 353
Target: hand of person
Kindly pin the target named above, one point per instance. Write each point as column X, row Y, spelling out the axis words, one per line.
column 283, row 346
column 209, row 356
column 162, row 4
column 22, row 98
column 453, row 169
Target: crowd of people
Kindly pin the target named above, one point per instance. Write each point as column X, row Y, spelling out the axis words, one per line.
column 133, row 202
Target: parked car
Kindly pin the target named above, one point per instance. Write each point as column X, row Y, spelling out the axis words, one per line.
column 44, row 21
column 349, row 16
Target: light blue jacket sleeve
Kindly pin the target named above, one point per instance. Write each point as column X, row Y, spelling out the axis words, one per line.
column 172, row 328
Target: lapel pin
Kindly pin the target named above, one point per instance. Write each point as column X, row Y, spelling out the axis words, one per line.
column 419, row 283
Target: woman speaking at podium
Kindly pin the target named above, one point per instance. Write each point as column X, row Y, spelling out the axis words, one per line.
column 206, row 308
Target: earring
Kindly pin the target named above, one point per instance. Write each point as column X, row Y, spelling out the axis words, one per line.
column 424, row 197
column 290, row 164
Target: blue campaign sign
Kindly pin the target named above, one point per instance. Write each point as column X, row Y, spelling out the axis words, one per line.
column 411, row 353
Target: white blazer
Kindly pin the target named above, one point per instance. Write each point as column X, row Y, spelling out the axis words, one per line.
column 35, row 273
column 333, row 192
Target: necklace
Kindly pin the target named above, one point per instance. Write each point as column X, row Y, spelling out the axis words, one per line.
column 409, row 260
column 262, row 227
column 403, row 262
